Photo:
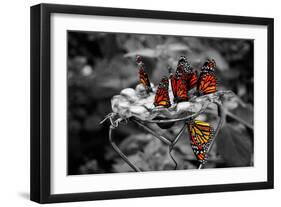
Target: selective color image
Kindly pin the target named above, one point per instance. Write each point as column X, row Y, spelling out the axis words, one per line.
column 141, row 102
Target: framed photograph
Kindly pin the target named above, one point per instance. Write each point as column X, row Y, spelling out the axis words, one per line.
column 133, row 103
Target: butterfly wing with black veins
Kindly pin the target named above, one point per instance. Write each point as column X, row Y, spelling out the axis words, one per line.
column 184, row 80
column 188, row 73
column 143, row 77
column 179, row 82
column 162, row 95
column 201, row 134
column 192, row 78
column 207, row 82
column 179, row 88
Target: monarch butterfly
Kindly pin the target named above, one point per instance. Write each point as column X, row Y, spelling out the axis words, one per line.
column 207, row 82
column 179, row 88
column 183, row 66
column 200, row 134
column 184, row 80
column 162, row 95
column 143, row 77
column 187, row 72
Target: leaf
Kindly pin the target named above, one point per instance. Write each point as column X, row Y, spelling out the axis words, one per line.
column 234, row 145
column 246, row 113
column 122, row 166
column 172, row 47
column 153, row 147
column 135, row 143
column 231, row 74
column 178, row 47
column 143, row 52
column 90, row 166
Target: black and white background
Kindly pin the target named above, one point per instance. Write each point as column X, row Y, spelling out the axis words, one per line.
column 100, row 65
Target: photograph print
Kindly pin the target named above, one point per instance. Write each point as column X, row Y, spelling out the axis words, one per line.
column 146, row 102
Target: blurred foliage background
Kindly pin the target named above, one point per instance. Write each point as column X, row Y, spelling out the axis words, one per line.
column 102, row 64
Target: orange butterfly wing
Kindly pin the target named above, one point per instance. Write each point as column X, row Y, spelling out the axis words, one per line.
column 179, row 89
column 201, row 134
column 179, row 85
column 162, row 95
column 207, row 83
column 192, row 80
column 143, row 77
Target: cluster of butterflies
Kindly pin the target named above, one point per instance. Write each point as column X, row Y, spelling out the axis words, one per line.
column 184, row 80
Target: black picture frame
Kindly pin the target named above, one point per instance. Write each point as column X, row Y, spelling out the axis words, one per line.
column 41, row 98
